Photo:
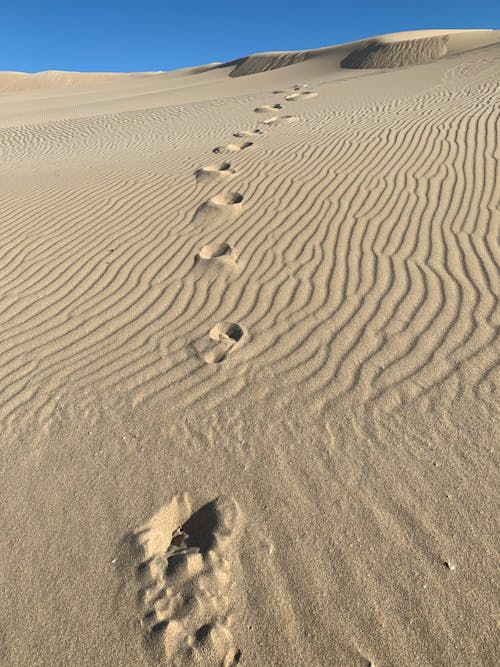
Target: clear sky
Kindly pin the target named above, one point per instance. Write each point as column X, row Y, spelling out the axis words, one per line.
column 139, row 35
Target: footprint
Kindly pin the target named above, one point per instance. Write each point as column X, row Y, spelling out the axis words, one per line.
column 268, row 107
column 226, row 199
column 306, row 95
column 233, row 147
column 247, row 133
column 278, row 120
column 217, row 252
column 225, row 203
column 228, row 336
column 213, row 171
column 186, row 583
column 298, row 86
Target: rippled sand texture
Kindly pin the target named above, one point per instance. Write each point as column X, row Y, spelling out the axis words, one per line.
column 248, row 346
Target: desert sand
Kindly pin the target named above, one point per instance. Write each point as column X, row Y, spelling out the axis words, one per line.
column 248, row 360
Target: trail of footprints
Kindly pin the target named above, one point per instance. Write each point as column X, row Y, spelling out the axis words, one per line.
column 185, row 583
column 225, row 337
column 185, row 573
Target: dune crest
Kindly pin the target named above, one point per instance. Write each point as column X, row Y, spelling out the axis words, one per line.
column 376, row 54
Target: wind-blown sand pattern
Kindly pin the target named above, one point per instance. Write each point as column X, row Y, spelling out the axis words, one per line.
column 305, row 322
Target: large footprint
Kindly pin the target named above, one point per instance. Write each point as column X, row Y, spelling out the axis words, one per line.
column 186, row 583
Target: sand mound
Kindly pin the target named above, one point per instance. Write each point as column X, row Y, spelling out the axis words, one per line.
column 378, row 54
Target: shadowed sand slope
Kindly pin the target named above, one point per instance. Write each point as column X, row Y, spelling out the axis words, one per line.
column 386, row 51
column 248, row 345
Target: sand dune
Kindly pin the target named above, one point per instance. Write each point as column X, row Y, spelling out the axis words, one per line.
column 248, row 331
column 395, row 50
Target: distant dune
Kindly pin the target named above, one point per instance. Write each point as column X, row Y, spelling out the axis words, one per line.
column 249, row 359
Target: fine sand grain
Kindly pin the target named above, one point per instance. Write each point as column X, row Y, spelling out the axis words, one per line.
column 248, row 343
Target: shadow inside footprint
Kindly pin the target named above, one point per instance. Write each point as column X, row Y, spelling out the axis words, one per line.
column 201, row 526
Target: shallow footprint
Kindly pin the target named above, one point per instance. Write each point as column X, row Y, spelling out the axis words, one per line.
column 268, row 107
column 214, row 171
column 287, row 91
column 279, row 120
column 233, row 147
column 228, row 336
column 294, row 97
column 218, row 252
column 247, row 133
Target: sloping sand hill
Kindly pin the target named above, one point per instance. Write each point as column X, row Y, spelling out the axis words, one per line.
column 248, row 343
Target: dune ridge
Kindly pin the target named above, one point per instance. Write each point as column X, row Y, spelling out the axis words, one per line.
column 386, row 51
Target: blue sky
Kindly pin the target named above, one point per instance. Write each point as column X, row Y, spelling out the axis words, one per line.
column 165, row 34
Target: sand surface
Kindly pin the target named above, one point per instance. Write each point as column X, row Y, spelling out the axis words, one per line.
column 248, row 320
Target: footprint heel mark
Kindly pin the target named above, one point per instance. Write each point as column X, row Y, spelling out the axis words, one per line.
column 233, row 147
column 227, row 336
column 214, row 171
column 187, row 603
